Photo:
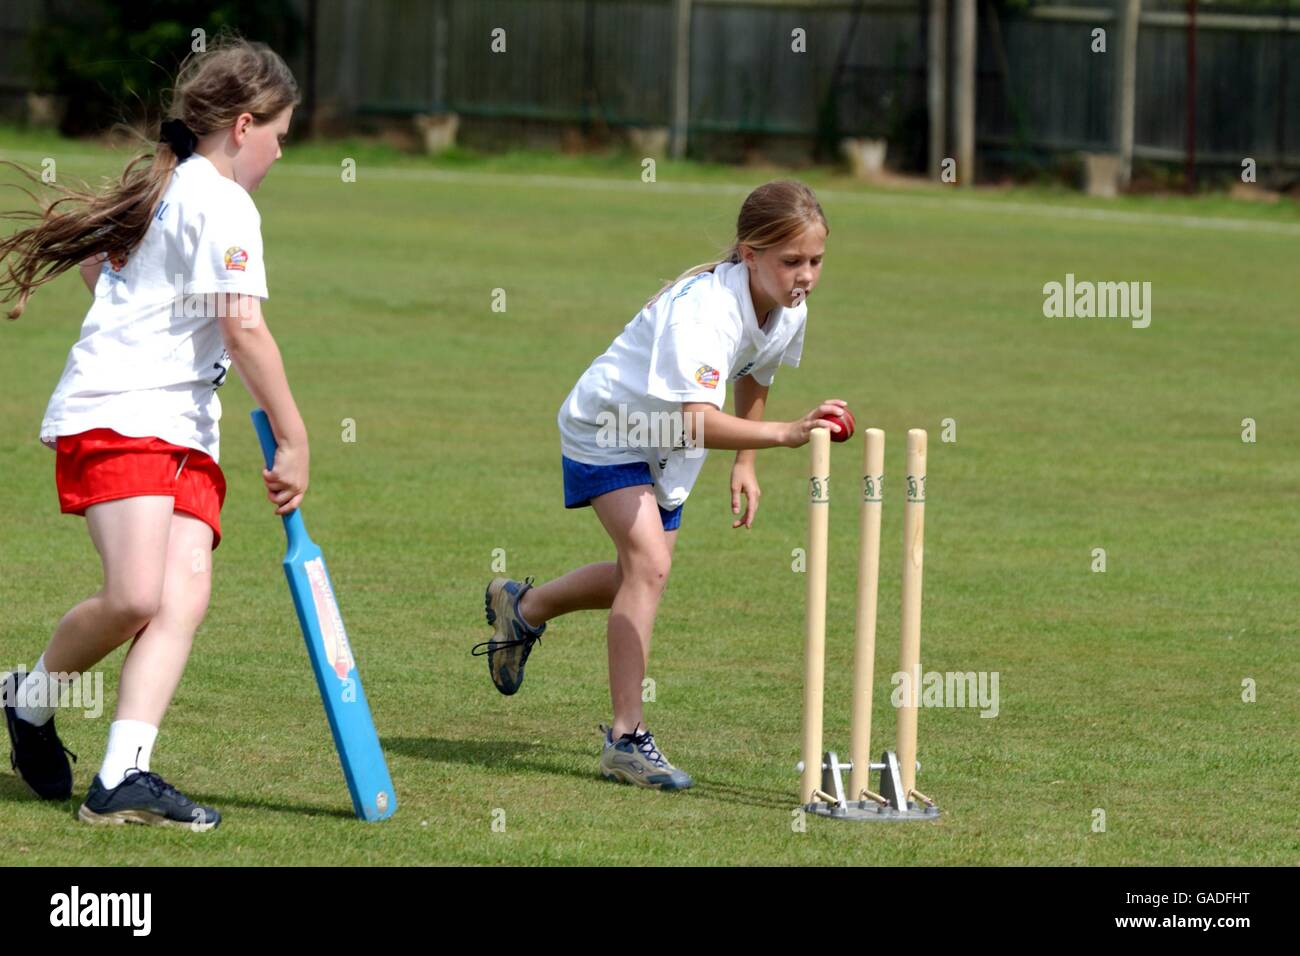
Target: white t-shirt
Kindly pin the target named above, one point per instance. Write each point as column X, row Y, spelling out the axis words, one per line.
column 151, row 357
column 685, row 347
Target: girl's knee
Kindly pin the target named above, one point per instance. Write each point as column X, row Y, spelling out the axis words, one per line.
column 187, row 603
column 133, row 606
column 647, row 568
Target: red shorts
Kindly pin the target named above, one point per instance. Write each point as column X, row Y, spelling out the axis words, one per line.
column 101, row 465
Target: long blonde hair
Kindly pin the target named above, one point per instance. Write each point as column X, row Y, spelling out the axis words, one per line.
column 212, row 89
column 773, row 213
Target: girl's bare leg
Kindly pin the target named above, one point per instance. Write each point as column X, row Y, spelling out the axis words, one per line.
column 154, row 664
column 131, row 535
column 631, row 517
column 588, row 588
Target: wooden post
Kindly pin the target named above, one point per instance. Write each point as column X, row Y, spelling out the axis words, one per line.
column 681, row 79
column 814, row 660
column 1126, row 87
column 864, row 629
column 937, row 86
column 964, row 91
column 910, row 651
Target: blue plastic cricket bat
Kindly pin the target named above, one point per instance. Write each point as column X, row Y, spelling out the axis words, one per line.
column 332, row 661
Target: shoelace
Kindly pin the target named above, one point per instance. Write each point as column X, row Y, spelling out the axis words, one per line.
column 502, row 645
column 645, row 742
column 157, row 785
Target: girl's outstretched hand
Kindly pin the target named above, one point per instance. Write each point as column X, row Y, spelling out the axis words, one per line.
column 798, row 433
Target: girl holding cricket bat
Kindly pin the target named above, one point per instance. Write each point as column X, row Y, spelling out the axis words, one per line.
column 731, row 321
column 172, row 253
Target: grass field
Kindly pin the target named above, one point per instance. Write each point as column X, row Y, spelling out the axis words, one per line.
column 1121, row 691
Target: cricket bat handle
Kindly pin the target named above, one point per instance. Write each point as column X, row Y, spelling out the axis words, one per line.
column 293, row 523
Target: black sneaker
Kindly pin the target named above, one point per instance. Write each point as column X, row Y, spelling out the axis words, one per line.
column 146, row 798
column 37, row 754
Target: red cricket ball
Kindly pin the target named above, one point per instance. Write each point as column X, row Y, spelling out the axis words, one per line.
column 846, row 423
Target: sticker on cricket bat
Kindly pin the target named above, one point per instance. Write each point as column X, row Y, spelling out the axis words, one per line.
column 333, row 636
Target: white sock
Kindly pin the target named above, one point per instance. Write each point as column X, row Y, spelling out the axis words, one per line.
column 130, row 744
column 37, row 696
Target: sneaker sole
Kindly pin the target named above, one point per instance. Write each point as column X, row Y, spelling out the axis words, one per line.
column 625, row 777
column 141, row 817
column 489, row 612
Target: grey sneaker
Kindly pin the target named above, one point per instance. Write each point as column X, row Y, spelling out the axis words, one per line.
column 513, row 639
column 634, row 758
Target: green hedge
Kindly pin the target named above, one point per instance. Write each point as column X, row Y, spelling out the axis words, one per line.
column 114, row 62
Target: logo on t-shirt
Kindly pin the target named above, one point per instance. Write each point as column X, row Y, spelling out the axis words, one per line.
column 236, row 259
column 707, row 376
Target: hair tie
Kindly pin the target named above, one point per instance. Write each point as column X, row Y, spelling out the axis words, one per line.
column 179, row 137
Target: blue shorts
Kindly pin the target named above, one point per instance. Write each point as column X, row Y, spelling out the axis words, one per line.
column 583, row 482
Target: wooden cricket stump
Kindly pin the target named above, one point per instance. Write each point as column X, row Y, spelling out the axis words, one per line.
column 822, row 787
